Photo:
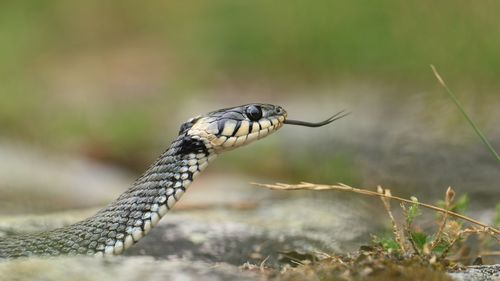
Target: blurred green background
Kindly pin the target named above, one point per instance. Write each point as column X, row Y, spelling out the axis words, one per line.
column 112, row 80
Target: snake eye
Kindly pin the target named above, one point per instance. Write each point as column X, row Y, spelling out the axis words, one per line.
column 254, row 112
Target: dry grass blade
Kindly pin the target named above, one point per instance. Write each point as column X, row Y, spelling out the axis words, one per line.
column 387, row 206
column 459, row 236
column 450, row 195
column 343, row 187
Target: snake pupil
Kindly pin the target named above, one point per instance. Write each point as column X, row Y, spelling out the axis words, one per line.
column 254, row 112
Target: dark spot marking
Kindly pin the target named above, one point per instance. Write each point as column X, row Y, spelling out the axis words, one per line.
column 192, row 145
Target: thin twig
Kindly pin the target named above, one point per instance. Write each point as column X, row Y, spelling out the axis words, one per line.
column 262, row 266
column 344, row 187
column 461, row 108
column 387, row 206
column 458, row 236
column 439, row 234
column 448, row 199
column 490, row 253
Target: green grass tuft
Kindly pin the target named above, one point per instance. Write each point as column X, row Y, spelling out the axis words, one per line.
column 461, row 108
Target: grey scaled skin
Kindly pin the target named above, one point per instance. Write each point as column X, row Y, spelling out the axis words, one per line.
column 126, row 220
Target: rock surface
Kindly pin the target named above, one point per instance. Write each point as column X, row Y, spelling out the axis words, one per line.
column 478, row 273
column 236, row 236
column 117, row 268
column 214, row 243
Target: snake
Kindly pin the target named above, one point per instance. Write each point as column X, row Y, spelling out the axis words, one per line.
column 118, row 226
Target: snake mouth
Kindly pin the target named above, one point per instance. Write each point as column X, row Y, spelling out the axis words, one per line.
column 336, row 116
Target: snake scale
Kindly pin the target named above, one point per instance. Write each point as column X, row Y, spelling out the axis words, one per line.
column 134, row 213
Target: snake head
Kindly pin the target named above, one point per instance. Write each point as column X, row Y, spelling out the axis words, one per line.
column 229, row 128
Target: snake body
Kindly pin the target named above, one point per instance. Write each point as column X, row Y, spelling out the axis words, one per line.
column 134, row 213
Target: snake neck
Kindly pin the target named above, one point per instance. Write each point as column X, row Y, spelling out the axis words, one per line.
column 129, row 218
